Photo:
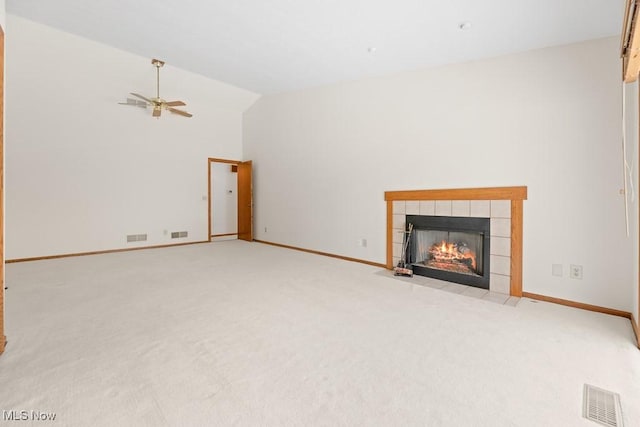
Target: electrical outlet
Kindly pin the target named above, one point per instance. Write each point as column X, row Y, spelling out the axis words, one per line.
column 265, row 229
column 556, row 270
column 575, row 271
column 362, row 243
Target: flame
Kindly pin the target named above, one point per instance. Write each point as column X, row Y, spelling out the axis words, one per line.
column 448, row 251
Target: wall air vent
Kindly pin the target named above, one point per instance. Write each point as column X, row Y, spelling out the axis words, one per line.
column 602, row 406
column 178, row 234
column 136, row 238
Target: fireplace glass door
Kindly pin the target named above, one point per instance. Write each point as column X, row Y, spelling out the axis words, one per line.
column 450, row 248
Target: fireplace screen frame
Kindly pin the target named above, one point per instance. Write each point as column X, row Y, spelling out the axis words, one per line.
column 454, row 224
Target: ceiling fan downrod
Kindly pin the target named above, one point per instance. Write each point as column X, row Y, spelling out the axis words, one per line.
column 157, row 63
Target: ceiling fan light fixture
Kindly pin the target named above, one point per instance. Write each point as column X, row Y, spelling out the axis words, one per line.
column 157, row 103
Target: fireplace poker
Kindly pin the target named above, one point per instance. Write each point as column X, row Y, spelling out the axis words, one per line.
column 402, row 268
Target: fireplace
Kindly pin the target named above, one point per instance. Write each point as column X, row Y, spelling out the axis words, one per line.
column 502, row 205
column 455, row 249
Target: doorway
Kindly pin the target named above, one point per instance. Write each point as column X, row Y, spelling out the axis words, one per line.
column 230, row 200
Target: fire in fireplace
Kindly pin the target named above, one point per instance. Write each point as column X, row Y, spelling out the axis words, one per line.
column 450, row 248
column 456, row 257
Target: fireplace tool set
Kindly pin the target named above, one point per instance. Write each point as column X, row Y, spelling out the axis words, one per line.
column 403, row 268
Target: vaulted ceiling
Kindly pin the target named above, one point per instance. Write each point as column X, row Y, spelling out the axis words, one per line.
column 271, row 46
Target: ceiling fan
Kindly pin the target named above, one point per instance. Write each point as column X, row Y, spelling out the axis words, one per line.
column 157, row 103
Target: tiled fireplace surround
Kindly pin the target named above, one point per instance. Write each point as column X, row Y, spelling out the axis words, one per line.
column 503, row 205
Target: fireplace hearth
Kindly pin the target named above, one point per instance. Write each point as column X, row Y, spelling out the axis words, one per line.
column 454, row 249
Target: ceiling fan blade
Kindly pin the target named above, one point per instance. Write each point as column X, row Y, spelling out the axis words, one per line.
column 134, row 103
column 175, row 103
column 156, row 111
column 142, row 97
column 138, row 103
column 182, row 113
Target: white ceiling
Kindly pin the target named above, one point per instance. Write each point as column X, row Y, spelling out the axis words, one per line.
column 271, row 46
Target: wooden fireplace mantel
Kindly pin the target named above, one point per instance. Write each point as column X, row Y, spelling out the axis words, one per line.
column 515, row 194
column 492, row 193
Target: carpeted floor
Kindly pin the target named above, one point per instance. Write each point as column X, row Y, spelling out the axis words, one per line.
column 237, row 333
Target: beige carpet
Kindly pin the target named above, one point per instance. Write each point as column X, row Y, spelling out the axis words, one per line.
column 236, row 333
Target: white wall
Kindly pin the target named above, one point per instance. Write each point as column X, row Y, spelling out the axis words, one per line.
column 224, row 199
column 548, row 119
column 82, row 172
column 3, row 14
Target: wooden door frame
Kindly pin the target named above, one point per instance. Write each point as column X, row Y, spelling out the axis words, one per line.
column 211, row 160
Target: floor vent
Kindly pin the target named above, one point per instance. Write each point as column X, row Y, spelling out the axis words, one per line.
column 178, row 234
column 136, row 238
column 602, row 406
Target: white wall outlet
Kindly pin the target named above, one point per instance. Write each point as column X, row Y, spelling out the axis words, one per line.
column 265, row 229
column 362, row 243
column 575, row 271
column 556, row 270
column 165, row 232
